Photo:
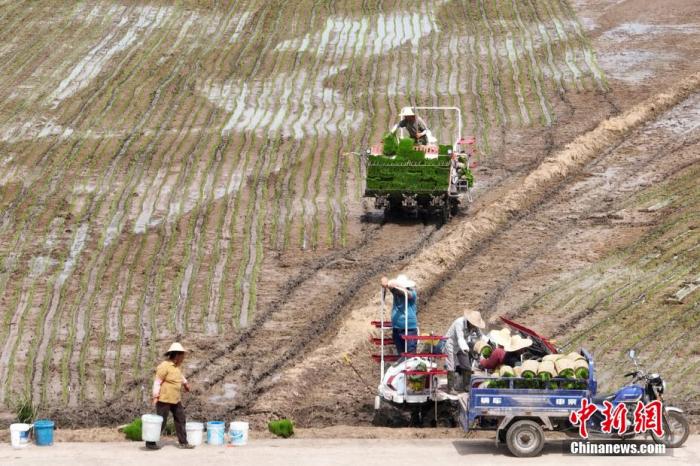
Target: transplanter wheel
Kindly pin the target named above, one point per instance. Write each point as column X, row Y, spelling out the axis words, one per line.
column 445, row 214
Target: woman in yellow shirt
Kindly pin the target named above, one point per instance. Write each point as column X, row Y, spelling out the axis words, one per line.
column 167, row 393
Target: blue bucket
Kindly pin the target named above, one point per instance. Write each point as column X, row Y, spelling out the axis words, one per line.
column 43, row 432
column 215, row 432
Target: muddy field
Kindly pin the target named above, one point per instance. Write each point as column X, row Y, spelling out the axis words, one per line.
column 190, row 172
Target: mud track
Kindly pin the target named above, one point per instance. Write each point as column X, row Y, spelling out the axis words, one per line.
column 311, row 303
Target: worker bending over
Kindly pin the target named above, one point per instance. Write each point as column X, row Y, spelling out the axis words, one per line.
column 464, row 332
column 415, row 126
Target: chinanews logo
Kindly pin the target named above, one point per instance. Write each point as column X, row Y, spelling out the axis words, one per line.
column 616, row 449
column 616, row 420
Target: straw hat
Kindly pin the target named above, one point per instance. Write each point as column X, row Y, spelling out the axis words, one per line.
column 403, row 281
column 474, row 318
column 479, row 345
column 407, row 111
column 176, row 348
column 517, row 343
column 501, row 337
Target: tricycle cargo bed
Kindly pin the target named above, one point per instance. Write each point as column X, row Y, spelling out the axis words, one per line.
column 486, row 401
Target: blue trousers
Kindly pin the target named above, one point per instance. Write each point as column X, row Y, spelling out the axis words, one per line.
column 402, row 344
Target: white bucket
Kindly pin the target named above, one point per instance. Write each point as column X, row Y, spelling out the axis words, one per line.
column 150, row 430
column 238, row 433
column 19, row 435
column 194, row 433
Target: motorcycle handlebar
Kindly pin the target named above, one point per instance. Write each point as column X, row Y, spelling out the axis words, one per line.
column 631, row 374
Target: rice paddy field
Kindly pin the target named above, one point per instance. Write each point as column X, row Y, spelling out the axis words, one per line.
column 189, row 170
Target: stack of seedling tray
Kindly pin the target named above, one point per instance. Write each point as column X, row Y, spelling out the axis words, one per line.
column 408, row 171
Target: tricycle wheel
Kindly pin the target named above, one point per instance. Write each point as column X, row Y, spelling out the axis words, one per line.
column 525, row 439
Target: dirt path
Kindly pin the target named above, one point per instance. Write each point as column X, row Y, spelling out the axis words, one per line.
column 323, row 452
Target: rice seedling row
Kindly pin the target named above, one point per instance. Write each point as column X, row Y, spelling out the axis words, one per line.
column 27, row 193
column 535, row 67
column 516, row 75
column 171, row 244
column 587, row 48
column 248, row 146
column 280, row 229
column 104, row 257
column 115, row 212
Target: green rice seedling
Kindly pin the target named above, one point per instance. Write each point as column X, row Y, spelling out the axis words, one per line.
column 133, row 431
column 466, row 174
column 25, row 411
column 391, row 144
column 405, row 148
column 282, row 428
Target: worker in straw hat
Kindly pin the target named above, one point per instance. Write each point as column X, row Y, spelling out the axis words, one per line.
column 167, row 393
column 516, row 350
column 462, row 335
column 404, row 312
column 508, row 350
column 415, row 126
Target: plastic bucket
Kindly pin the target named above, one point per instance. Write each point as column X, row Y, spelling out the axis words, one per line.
column 43, row 432
column 238, row 432
column 19, row 435
column 194, row 433
column 215, row 432
column 150, row 429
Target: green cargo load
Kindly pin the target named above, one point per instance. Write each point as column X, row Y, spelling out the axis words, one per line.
column 408, row 171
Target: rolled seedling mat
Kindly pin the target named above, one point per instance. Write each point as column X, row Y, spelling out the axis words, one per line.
column 530, row 368
column 518, row 371
column 551, row 357
column 546, row 370
column 506, row 371
column 575, row 356
column 565, row 368
column 581, row 369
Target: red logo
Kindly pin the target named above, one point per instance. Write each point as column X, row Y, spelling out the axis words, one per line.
column 614, row 418
column 581, row 416
column 646, row 417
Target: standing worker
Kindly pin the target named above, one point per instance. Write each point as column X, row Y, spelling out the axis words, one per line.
column 167, row 393
column 464, row 332
column 400, row 288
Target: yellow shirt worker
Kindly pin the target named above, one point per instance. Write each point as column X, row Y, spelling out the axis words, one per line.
column 167, row 393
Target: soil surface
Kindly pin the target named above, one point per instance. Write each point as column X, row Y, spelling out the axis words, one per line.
column 322, row 452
